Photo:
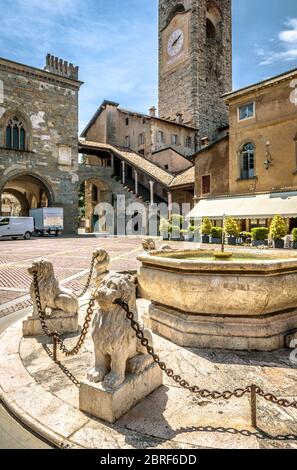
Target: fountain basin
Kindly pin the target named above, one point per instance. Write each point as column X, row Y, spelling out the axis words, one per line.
column 247, row 303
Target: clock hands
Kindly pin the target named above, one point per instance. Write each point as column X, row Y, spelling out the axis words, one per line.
column 176, row 41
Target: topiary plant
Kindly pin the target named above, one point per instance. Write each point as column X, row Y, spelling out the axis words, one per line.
column 176, row 219
column 231, row 228
column 206, row 226
column 278, row 228
column 294, row 233
column 164, row 226
column 260, row 233
column 216, row 232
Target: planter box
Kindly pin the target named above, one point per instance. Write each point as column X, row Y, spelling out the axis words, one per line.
column 294, row 245
column 260, row 242
column 279, row 244
column 205, row 238
column 215, row 241
column 232, row 241
column 165, row 236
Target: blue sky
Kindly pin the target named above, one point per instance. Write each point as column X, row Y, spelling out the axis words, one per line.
column 115, row 43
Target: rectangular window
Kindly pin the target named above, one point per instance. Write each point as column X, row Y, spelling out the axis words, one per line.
column 174, row 139
column 141, row 139
column 127, row 141
column 205, row 185
column 246, row 112
column 188, row 142
column 160, row 137
column 166, row 167
column 127, row 121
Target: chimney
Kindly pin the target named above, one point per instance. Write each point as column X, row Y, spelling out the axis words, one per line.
column 179, row 118
column 153, row 111
column 205, row 141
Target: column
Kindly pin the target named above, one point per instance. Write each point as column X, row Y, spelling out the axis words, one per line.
column 112, row 162
column 152, row 192
column 136, row 182
column 169, row 202
column 123, row 172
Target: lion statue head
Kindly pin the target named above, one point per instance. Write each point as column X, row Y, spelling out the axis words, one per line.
column 43, row 268
column 148, row 244
column 116, row 286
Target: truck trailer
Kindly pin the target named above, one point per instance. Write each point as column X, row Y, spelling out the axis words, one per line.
column 48, row 220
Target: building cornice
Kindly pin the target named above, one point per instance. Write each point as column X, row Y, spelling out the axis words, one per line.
column 38, row 74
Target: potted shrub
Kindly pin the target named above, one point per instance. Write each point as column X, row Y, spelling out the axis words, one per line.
column 278, row 230
column 176, row 233
column 232, row 230
column 259, row 236
column 294, row 233
column 246, row 237
column 216, row 235
column 164, row 228
column 206, row 229
column 190, row 233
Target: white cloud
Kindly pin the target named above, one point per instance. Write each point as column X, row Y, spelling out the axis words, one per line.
column 285, row 46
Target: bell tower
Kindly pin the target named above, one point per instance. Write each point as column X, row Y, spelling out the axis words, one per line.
column 195, row 62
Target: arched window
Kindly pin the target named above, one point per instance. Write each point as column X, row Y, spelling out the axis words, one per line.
column 247, row 161
column 16, row 134
column 179, row 8
column 210, row 29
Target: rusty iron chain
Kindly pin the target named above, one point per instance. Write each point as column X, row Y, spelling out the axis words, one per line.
column 55, row 335
column 62, row 367
column 89, row 277
column 215, row 395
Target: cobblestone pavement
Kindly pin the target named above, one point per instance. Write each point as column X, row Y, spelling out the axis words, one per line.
column 71, row 258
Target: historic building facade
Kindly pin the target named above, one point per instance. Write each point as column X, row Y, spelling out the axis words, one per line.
column 195, row 63
column 38, row 137
column 252, row 175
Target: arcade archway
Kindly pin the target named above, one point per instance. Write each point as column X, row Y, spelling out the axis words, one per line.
column 22, row 193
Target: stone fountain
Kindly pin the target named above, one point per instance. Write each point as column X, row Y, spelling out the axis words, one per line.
column 246, row 303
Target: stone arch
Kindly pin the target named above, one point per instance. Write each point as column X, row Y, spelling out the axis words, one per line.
column 9, row 114
column 26, row 185
column 92, row 191
column 213, row 20
column 179, row 8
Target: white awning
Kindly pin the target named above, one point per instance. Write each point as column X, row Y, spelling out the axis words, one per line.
column 261, row 206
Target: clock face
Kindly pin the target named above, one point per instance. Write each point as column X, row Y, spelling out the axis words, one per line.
column 175, row 42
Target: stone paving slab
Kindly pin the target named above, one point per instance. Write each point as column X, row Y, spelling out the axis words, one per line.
column 40, row 394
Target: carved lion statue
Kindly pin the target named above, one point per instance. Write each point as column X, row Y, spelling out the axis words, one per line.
column 117, row 349
column 102, row 261
column 148, row 244
column 52, row 295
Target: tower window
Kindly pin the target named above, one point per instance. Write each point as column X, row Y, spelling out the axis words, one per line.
column 210, row 29
column 127, row 141
column 247, row 161
column 127, row 121
column 15, row 134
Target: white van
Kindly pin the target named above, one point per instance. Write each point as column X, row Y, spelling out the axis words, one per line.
column 16, row 227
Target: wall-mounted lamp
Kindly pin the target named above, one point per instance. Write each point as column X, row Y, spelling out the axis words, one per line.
column 268, row 160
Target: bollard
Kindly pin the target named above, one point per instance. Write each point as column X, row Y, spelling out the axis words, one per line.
column 254, row 406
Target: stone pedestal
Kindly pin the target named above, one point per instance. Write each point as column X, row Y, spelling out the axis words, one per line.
column 110, row 405
column 55, row 322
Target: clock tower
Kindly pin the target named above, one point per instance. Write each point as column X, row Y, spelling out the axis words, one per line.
column 195, row 62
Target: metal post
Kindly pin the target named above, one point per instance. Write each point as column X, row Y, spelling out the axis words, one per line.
column 254, row 406
column 55, row 347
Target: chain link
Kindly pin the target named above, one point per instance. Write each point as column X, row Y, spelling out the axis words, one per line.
column 215, row 395
column 89, row 277
column 55, row 335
